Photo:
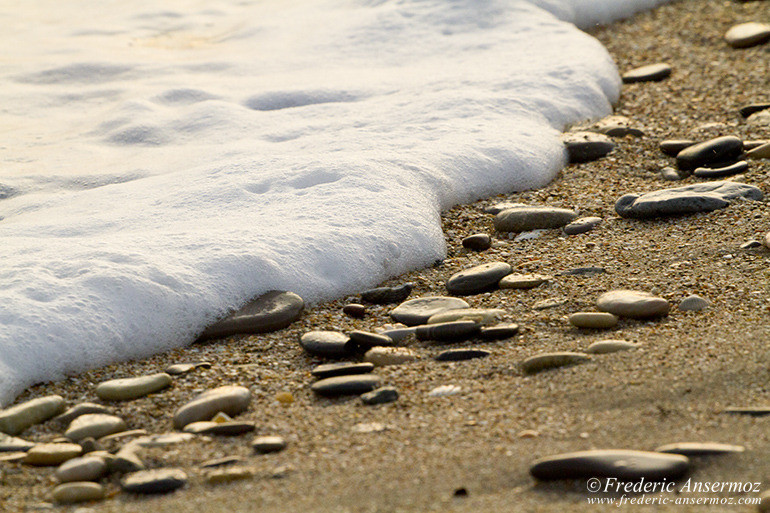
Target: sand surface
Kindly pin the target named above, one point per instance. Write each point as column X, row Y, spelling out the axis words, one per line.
column 689, row 367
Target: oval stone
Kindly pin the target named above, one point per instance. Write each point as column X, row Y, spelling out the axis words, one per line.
column 387, row 295
column 228, row 475
column 482, row 316
column 231, row 400
column 477, row 242
column 616, row 126
column 126, row 389
column 268, row 444
column 346, row 385
column 330, row 370
column 86, row 468
column 610, row 346
column 748, row 110
column 700, row 448
column 499, row 332
column 418, row 311
column 448, row 331
column 17, row 418
column 582, row 225
column 672, row 147
column 720, row 149
column 625, row 465
column 748, row 34
column 154, row 481
column 73, row 493
column 523, row 281
column 367, row 340
column 585, row 146
column 10, row 443
column 51, row 454
column 380, row 395
column 329, row 344
column 633, row 304
column 229, row 428
column 546, row 361
column 458, row 355
column 179, row 369
column 355, row 310
column 477, row 279
column 694, row 303
column 80, row 409
column 94, row 425
column 648, row 73
column 271, row 311
column 382, row 356
column 721, row 172
column 593, row 320
column 522, row 219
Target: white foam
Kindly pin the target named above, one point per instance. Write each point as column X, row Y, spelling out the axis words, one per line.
column 163, row 165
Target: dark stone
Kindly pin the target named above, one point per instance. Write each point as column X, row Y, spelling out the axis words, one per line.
column 522, row 219
column 355, row 310
column 720, row 149
column 418, row 311
column 329, row 370
column 387, row 295
column 455, row 331
column 700, row 449
column 672, row 147
column 183, row 368
column 154, row 481
column 346, row 385
column 649, row 73
column 270, row 312
column 583, row 271
column 330, row 344
column 721, row 172
column 366, row 340
column 748, row 110
column 229, row 428
column 546, row 361
column 753, row 411
column 268, row 444
column 458, row 355
column 478, row 279
column 625, row 465
column 582, row 225
column 222, row 462
column 477, row 242
column 380, row 395
column 586, row 146
column 499, row 332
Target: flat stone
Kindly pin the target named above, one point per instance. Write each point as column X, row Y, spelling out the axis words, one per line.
column 380, row 395
column 751, row 244
column 346, row 385
column 132, row 388
column 94, row 425
column 754, row 144
column 162, row 440
column 269, row 312
column 12, row 457
column 387, row 295
column 633, row 304
column 499, row 207
column 670, row 174
column 499, row 332
column 329, row 370
column 17, row 418
column 154, row 481
column 458, row 355
column 545, row 304
column 760, row 120
column 690, row 199
column 625, row 465
column 760, row 152
column 122, row 436
column 329, row 344
column 694, row 303
column 753, row 411
column 721, row 172
column 268, row 444
column 455, row 331
column 125, row 461
column 85, row 468
column 382, row 356
column 523, row 281
column 721, row 149
column 230, row 428
column 748, row 110
column 355, row 310
column 445, row 391
column 418, row 311
column 584, row 146
column 545, row 361
column 748, row 34
column 648, row 73
column 179, row 369
column 222, row 462
column 483, row 316
column 399, row 334
column 229, row 475
column 522, row 219
column 477, row 279
column 231, row 400
column 672, row 147
column 583, row 271
column 616, row 126
column 477, row 242
column 366, row 340
column 76, row 492
column 79, row 409
column 700, row 448
column 52, row 454
column 593, row 320
column 529, row 235
column 10, row 443
column 582, row 225
column 610, row 346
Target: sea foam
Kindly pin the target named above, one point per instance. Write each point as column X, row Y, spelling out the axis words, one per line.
column 162, row 165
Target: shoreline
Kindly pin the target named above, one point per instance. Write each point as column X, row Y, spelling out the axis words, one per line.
column 690, row 366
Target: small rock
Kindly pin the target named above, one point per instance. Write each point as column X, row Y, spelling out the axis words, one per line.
column 753, row 411
column 670, row 174
column 121, row 436
column 382, row 356
column 183, row 368
column 582, row 225
column 162, row 440
column 523, row 281
column 458, row 355
column 132, row 388
column 268, row 444
column 94, row 425
column 721, row 149
column 583, row 271
column 748, row 34
column 477, row 242
column 456, row 331
column 624, row 465
column 721, row 172
column 748, row 110
column 444, row 391
column 346, row 385
column 355, row 310
column 700, row 448
column 330, row 344
column 649, row 73
column 499, row 332
column 528, row 433
column 231, row 400
column 369, row 427
column 672, row 147
column 85, row 468
column 483, row 316
column 387, row 295
column 418, row 311
column 754, row 144
column 760, row 152
column 477, row 279
column 545, row 304
column 585, row 147
column 398, row 334
column 593, row 320
column 616, row 126
column 125, row 461
column 271, row 311
column 329, row 370
column 52, row 454
column 10, row 443
column 751, row 244
column 79, row 409
column 633, row 304
column 154, row 481
column 229, row 475
column 221, row 462
column 499, row 207
column 694, row 303
column 529, row 235
column 380, row 395
column 17, row 418
column 522, row 219
column 610, row 346
column 759, row 120
column 366, row 340
column 545, row 361
column 75, row 492
column 231, row 428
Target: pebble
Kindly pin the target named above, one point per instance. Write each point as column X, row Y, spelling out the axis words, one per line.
column 455, row 331
column 545, row 361
column 477, row 242
column 625, row 465
column 694, row 303
column 445, row 391
column 85, row 468
column 382, row 356
column 369, row 427
column 700, row 448
column 483, row 316
column 586, row 146
column 721, row 149
column 610, row 346
column 616, row 126
column 52, row 454
column 748, row 34
column 231, row 400
column 398, row 334
column 529, row 235
column 162, row 440
column 79, row 409
column 268, row 444
column 721, row 172
column 753, row 411
column 593, row 320
column 75, row 492
column 329, row 370
column 499, row 332
column 748, row 110
column 476, row 280
column 94, row 425
column 670, row 174
column 672, row 147
column 271, row 311
column 183, row 368
column 387, row 295
column 222, row 462
column 751, row 244
column 123, row 435
column 760, row 152
column 229, row 475
column 418, row 311
column 132, row 388
column 355, row 310
column 633, row 304
column 329, row 344
column 760, row 120
column 230, row 428
column 17, row 418
column 583, row 271
column 13, row 457
column 366, row 340
column 545, row 304
column 10, row 443
column 125, row 461
column 499, row 207
column 648, row 73
column 154, row 481
column 690, row 199
column 346, row 385
column 458, row 355
column 522, row 219
column 380, row 395
column 523, row 281
column 582, row 225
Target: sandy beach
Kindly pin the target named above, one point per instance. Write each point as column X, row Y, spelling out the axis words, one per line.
column 472, row 451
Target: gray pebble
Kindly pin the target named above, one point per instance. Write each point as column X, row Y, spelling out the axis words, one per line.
column 633, row 304
column 700, row 448
column 94, row 425
column 387, row 295
column 132, row 388
column 346, row 385
column 522, row 219
column 418, row 311
column 694, row 303
column 366, row 340
column 719, row 149
column 76, row 492
column 745, row 35
column 648, row 73
column 271, row 311
column 330, row 344
column 79, row 409
column 380, row 395
column 582, row 225
column 455, row 331
column 154, row 481
column 610, row 346
column 670, row 174
column 458, row 355
column 546, row 361
column 625, row 465
column 230, row 400
column 477, row 242
column 85, row 468
column 586, row 146
column 478, row 279
column 268, row 444
column 593, row 320
column 499, row 332
column 721, row 172
column 672, row 147
column 10, row 443
column 330, row 370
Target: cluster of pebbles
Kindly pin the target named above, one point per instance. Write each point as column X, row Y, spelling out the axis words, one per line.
column 100, row 454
